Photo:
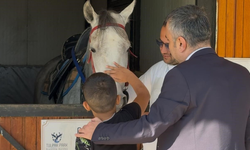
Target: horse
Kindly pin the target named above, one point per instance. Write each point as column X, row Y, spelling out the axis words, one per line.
column 107, row 42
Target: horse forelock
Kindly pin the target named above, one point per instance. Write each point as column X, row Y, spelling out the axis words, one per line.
column 105, row 17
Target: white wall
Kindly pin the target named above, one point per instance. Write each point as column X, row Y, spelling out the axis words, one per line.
column 153, row 14
column 245, row 62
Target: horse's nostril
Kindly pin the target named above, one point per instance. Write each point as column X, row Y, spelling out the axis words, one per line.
column 93, row 50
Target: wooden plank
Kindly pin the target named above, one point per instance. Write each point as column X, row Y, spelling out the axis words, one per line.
column 13, row 148
column 38, row 132
column 221, row 31
column 30, row 133
column 26, row 131
column 42, row 110
column 5, row 124
column 246, row 29
column 17, row 130
column 230, row 28
column 239, row 29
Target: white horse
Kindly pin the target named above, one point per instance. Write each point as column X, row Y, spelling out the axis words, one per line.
column 107, row 43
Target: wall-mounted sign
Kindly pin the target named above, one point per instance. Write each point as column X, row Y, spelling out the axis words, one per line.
column 59, row 134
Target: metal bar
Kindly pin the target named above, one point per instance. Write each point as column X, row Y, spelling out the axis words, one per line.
column 43, row 110
column 9, row 138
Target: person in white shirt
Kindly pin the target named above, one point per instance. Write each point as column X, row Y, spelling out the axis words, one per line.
column 154, row 76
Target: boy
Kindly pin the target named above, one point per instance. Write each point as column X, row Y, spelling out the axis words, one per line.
column 101, row 98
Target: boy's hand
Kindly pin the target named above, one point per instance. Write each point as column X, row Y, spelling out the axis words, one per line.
column 118, row 73
column 121, row 74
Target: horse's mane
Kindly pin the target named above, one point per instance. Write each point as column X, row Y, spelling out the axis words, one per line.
column 106, row 18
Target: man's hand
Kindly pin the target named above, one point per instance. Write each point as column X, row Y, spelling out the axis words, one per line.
column 87, row 130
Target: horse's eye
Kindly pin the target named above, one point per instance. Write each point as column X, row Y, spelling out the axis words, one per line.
column 93, row 50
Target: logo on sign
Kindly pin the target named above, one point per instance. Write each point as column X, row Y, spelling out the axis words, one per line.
column 56, row 137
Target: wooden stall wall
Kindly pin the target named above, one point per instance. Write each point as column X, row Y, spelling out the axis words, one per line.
column 23, row 122
column 25, row 130
column 233, row 28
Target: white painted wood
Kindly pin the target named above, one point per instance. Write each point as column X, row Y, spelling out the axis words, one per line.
column 245, row 62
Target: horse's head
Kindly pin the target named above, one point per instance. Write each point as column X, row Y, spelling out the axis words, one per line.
column 108, row 41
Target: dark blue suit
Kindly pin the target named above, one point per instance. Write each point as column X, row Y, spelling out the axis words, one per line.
column 204, row 105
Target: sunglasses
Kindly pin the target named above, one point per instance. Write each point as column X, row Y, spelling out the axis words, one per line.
column 160, row 43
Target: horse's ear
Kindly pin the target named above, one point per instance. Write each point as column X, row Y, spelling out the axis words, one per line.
column 128, row 11
column 88, row 12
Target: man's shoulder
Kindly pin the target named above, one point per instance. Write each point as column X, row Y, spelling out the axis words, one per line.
column 161, row 65
column 158, row 64
column 158, row 69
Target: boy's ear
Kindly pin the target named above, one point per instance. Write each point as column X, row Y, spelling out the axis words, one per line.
column 86, row 106
column 118, row 99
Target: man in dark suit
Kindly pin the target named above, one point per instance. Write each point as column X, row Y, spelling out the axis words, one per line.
column 204, row 102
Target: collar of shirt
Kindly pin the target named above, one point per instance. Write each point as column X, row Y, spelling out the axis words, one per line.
column 195, row 52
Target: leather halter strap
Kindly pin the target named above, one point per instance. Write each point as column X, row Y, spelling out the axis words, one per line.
column 108, row 24
column 90, row 60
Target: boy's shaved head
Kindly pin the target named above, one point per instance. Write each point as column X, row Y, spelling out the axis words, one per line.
column 100, row 92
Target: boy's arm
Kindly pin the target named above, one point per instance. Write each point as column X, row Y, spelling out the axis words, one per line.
column 146, row 80
column 121, row 74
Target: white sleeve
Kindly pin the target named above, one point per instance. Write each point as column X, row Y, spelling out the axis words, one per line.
column 146, row 80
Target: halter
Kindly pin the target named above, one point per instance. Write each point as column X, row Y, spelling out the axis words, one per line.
column 90, row 60
column 108, row 24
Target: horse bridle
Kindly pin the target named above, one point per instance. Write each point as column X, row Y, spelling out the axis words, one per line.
column 76, row 61
column 90, row 60
column 108, row 24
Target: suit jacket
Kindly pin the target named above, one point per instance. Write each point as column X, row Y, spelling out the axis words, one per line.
column 204, row 105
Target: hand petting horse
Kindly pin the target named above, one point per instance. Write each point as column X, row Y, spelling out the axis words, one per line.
column 105, row 43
